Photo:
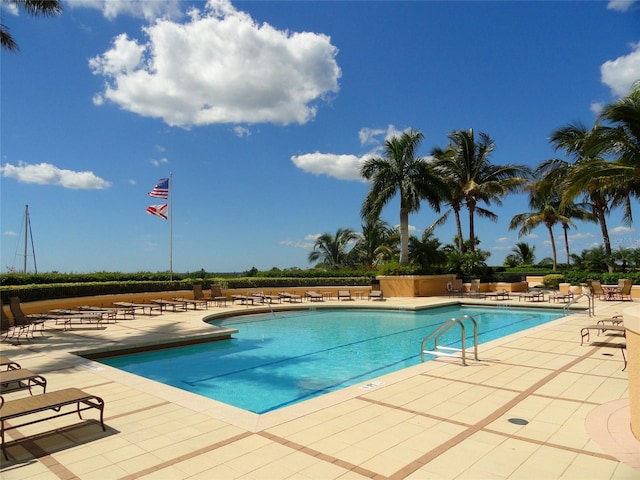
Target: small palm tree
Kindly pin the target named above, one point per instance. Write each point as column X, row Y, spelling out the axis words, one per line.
column 401, row 172
column 522, row 254
column 427, row 253
column 376, row 245
column 32, row 7
column 331, row 251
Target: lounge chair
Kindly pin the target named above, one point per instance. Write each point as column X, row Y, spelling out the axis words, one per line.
column 314, row 296
column 27, row 323
column 69, row 317
column 21, row 379
column 165, row 304
column 266, row 298
column 344, row 295
column 601, row 329
column 243, row 299
column 533, row 296
column 499, row 295
column 290, row 297
column 111, row 312
column 217, row 296
column 140, row 306
column 8, row 363
column 376, row 295
column 560, row 297
column 194, row 302
column 50, row 403
column 625, row 285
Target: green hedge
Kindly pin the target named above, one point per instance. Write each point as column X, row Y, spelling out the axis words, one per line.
column 35, row 292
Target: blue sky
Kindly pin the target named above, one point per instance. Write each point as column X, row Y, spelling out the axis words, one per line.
column 263, row 111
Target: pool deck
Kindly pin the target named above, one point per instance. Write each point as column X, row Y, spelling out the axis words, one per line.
column 537, row 405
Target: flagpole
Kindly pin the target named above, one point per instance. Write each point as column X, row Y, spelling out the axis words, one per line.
column 171, row 226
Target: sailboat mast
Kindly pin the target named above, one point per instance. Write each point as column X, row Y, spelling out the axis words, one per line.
column 26, row 237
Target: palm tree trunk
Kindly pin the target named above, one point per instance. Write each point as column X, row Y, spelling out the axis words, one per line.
column 602, row 220
column 472, row 229
column 565, row 227
column 404, row 236
column 456, row 212
column 553, row 247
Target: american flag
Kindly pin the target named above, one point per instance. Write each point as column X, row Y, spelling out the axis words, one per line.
column 159, row 210
column 161, row 190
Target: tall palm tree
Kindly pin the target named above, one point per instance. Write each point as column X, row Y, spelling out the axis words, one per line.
column 32, row 7
column 400, row 172
column 576, row 178
column 466, row 165
column 453, row 195
column 331, row 251
column 377, row 244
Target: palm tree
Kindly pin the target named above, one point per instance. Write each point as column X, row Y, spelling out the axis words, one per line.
column 466, row 165
column 545, row 210
column 32, row 7
column 331, row 251
column 523, row 254
column 401, row 172
column 427, row 252
column 580, row 178
column 377, row 244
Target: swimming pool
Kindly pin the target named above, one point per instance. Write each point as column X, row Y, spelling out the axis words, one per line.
column 279, row 360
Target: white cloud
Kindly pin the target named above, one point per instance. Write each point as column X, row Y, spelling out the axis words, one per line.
column 158, row 162
column 620, row 230
column 619, row 74
column 503, row 239
column 620, row 5
column 596, row 107
column 47, row 174
column 147, row 9
column 219, row 67
column 241, row 131
column 342, row 167
column 10, row 234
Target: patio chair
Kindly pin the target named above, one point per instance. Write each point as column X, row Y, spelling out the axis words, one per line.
column 344, row 294
column 474, row 289
column 217, row 296
column 596, row 288
column 625, row 285
column 454, row 288
column 7, row 364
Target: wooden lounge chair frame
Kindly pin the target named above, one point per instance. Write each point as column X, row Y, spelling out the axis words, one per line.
column 21, row 379
column 11, row 410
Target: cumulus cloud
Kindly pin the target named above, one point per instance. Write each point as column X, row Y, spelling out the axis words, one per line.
column 219, row 67
column 619, row 74
column 621, row 230
column 241, row 131
column 146, row 9
column 47, row 174
column 620, row 5
column 342, row 167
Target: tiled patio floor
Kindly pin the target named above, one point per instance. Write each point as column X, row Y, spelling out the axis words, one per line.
column 537, row 406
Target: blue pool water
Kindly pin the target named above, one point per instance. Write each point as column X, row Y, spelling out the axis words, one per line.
column 278, row 360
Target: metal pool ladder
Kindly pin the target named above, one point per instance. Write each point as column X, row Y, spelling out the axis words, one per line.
column 442, row 351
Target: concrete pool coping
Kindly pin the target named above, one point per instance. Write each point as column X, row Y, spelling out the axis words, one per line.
column 157, row 431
